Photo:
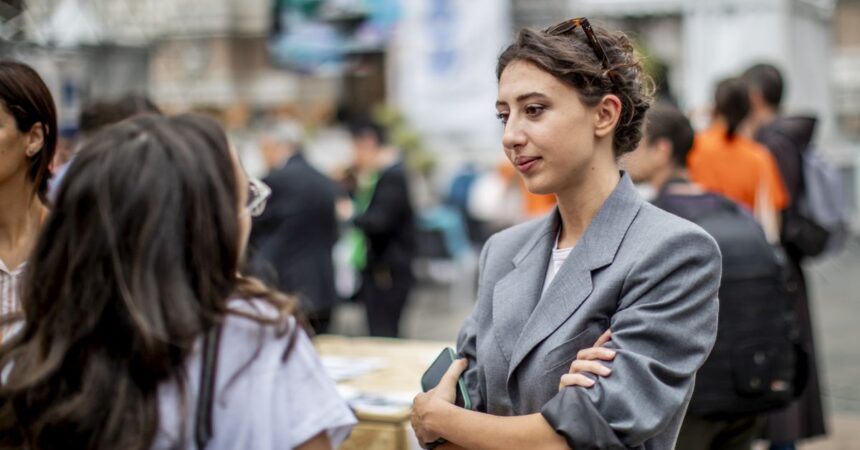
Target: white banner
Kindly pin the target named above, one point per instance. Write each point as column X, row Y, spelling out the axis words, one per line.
column 443, row 69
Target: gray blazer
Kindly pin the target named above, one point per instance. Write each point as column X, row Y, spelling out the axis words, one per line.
column 649, row 275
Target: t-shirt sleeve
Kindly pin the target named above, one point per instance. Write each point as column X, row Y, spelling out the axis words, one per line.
column 310, row 401
column 694, row 160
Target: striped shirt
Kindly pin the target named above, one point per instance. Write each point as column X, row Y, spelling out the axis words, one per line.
column 10, row 286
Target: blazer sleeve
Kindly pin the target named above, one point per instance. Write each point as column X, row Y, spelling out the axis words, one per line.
column 663, row 331
column 467, row 342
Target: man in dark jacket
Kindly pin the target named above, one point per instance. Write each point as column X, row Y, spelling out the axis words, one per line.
column 787, row 138
column 292, row 241
column 388, row 225
column 715, row 419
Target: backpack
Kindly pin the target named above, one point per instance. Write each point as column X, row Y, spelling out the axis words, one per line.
column 757, row 363
column 818, row 222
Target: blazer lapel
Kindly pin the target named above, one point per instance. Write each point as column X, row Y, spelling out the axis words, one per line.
column 516, row 294
column 572, row 285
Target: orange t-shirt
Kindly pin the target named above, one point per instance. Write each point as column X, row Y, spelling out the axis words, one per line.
column 735, row 168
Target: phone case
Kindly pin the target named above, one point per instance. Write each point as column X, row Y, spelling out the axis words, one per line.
column 434, row 374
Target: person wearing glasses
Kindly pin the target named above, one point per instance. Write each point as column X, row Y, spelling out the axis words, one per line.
column 572, row 99
column 140, row 331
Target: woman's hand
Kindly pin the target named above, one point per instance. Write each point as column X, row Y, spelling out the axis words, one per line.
column 426, row 404
column 587, row 362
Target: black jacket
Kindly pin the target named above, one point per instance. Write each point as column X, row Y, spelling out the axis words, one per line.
column 389, row 224
column 787, row 138
column 295, row 234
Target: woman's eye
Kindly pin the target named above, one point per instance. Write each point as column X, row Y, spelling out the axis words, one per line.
column 503, row 117
column 534, row 110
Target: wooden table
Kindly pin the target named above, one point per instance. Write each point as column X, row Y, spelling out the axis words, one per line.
column 404, row 363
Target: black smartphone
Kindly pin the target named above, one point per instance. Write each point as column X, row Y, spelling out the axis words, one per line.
column 434, row 373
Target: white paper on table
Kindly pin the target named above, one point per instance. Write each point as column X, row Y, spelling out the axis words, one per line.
column 375, row 403
column 342, row 368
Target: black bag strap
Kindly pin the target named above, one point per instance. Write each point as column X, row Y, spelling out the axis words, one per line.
column 206, row 393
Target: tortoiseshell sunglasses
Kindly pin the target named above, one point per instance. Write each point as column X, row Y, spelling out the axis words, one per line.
column 569, row 25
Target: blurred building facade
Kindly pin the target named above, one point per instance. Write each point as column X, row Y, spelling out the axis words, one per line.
column 185, row 54
column 437, row 68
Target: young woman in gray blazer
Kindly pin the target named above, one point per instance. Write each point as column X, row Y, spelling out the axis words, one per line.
column 572, row 99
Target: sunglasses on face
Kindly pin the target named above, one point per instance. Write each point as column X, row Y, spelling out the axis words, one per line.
column 258, row 193
column 568, row 26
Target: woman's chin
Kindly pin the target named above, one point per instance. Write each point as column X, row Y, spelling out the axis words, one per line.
column 538, row 187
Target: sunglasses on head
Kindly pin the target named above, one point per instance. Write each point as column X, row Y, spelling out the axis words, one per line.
column 569, row 25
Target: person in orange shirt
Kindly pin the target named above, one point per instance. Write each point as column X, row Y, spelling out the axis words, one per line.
column 534, row 205
column 725, row 162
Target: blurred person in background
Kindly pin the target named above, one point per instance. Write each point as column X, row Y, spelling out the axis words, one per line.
column 65, row 150
column 661, row 161
column 28, row 140
column 154, row 339
column 384, row 216
column 787, row 138
column 293, row 238
column 572, row 99
column 101, row 113
column 93, row 117
column 724, row 161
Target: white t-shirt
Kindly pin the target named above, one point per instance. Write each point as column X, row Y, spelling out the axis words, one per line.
column 556, row 260
column 272, row 404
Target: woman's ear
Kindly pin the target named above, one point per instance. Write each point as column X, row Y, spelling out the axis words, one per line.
column 35, row 139
column 606, row 115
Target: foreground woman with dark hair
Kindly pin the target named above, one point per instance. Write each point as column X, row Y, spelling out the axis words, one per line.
column 135, row 277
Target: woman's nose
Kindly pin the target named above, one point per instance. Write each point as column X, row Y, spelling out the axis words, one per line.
column 513, row 136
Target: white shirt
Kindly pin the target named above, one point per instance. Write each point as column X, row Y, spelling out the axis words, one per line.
column 556, row 260
column 272, row 404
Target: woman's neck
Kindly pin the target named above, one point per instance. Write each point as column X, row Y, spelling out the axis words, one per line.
column 578, row 205
column 20, row 221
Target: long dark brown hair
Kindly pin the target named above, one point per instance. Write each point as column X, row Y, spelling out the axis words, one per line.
column 732, row 103
column 24, row 95
column 137, row 261
column 570, row 58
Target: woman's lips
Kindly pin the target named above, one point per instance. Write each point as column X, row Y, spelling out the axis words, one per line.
column 525, row 163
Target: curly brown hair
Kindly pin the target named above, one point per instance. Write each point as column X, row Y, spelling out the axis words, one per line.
column 570, row 58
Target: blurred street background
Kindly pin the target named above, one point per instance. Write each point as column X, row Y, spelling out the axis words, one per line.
column 425, row 69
